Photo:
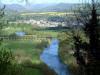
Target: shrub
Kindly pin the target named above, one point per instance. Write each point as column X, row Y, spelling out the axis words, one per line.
column 5, row 60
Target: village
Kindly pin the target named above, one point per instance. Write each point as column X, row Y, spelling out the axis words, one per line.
column 41, row 23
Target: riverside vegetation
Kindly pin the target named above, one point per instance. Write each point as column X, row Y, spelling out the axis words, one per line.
column 66, row 50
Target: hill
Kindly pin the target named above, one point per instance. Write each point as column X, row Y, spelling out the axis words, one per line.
column 61, row 7
column 14, row 8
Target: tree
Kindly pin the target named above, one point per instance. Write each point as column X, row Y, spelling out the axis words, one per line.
column 5, row 56
column 88, row 53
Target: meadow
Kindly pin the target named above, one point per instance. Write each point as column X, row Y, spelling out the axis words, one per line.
column 27, row 54
column 27, row 57
column 26, row 50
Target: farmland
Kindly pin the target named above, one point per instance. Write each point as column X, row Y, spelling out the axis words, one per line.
column 48, row 13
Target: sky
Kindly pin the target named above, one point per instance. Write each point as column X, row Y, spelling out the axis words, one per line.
column 38, row 1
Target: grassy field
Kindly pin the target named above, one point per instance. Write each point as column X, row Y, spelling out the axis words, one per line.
column 27, row 57
column 26, row 50
column 48, row 13
column 27, row 53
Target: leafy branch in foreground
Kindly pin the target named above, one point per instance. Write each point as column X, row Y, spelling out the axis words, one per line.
column 88, row 53
column 5, row 56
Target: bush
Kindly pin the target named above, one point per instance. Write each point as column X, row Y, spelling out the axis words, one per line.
column 5, row 60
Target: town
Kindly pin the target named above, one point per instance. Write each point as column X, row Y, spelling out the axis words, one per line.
column 41, row 23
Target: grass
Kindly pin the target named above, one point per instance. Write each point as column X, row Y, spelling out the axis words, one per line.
column 48, row 33
column 30, row 71
column 29, row 49
column 27, row 53
column 20, row 70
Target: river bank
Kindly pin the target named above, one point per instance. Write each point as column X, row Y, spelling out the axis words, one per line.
column 66, row 56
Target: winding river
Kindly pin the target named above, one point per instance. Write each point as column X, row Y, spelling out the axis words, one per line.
column 51, row 58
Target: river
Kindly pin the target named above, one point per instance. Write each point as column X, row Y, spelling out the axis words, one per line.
column 51, row 58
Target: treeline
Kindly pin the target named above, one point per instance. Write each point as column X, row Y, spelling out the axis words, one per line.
column 53, row 18
column 15, row 17
column 56, row 19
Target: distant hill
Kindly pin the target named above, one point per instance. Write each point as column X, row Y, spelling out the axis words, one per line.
column 61, row 7
column 14, row 8
column 39, row 6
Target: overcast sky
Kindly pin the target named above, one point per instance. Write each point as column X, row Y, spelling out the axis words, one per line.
column 39, row 1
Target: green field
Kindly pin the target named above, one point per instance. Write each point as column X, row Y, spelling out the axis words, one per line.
column 26, row 50
column 27, row 53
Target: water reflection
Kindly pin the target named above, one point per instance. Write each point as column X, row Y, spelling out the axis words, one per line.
column 20, row 33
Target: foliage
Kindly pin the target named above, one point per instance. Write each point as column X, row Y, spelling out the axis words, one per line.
column 87, row 53
column 66, row 55
column 35, row 16
column 5, row 60
column 6, row 57
column 66, row 49
column 56, row 19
